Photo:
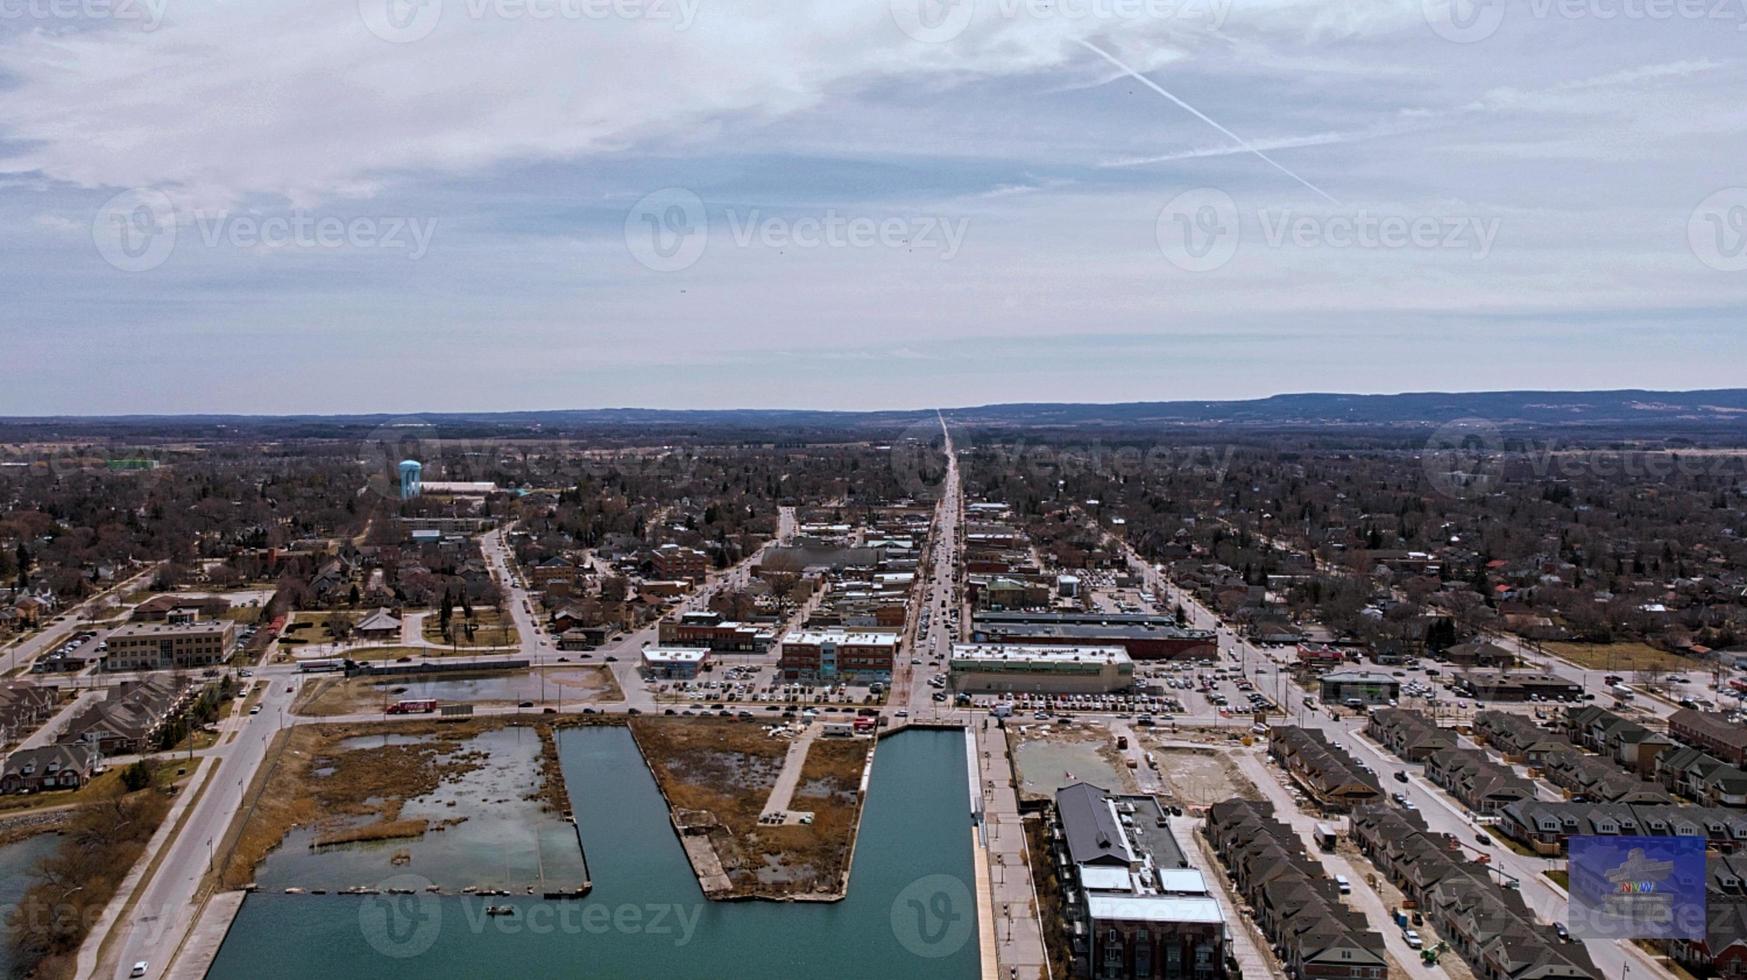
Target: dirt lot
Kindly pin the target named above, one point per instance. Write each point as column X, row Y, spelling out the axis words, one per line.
column 1201, row 777
column 721, row 771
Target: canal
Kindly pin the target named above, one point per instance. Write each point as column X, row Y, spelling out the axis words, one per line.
column 909, row 911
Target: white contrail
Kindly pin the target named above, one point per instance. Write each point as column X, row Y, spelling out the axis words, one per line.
column 1198, row 114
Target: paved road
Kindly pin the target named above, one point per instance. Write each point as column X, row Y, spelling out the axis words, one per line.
column 20, row 652
column 166, row 903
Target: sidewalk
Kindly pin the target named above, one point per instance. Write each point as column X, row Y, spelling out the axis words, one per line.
column 1018, row 931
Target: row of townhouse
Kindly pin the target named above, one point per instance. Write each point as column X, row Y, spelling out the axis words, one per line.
column 24, row 707
column 1488, row 925
column 1591, row 777
column 1712, row 732
column 1482, row 785
column 1485, row 923
column 126, row 721
column 1544, row 827
column 1627, row 742
column 1698, row 775
column 1296, row 905
column 1723, row 950
column 129, row 718
column 1409, row 734
column 1330, row 776
column 1689, row 770
column 1516, row 738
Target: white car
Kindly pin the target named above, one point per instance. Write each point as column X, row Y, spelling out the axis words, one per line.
column 139, row 969
column 1412, row 937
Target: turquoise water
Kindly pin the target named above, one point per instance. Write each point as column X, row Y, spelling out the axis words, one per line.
column 908, row 914
column 15, row 861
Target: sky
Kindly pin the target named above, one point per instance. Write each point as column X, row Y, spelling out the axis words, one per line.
column 460, row 205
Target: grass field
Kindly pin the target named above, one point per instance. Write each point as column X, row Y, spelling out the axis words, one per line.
column 490, row 629
column 1622, row 657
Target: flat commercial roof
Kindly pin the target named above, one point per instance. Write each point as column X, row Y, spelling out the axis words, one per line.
column 674, row 655
column 1096, row 878
column 1360, row 677
column 1023, row 653
column 162, row 629
column 1154, row 908
column 1182, row 881
column 858, row 638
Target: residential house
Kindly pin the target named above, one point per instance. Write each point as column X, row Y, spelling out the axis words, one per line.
column 50, row 767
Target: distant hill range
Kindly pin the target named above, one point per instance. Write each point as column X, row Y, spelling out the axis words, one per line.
column 1719, row 411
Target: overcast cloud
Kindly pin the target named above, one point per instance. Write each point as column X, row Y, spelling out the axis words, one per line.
column 475, row 204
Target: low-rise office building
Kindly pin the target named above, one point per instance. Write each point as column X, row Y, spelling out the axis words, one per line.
column 1366, row 686
column 1003, row 667
column 170, row 646
column 1517, row 685
column 1145, row 637
column 838, row 654
column 670, row 663
column 672, row 561
column 710, row 630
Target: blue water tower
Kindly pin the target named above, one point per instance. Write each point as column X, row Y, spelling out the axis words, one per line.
column 410, row 471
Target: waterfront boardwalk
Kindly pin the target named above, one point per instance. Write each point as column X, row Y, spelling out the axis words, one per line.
column 783, row 793
column 1012, row 900
column 195, row 957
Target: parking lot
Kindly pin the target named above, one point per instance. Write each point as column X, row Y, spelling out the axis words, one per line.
column 760, row 685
